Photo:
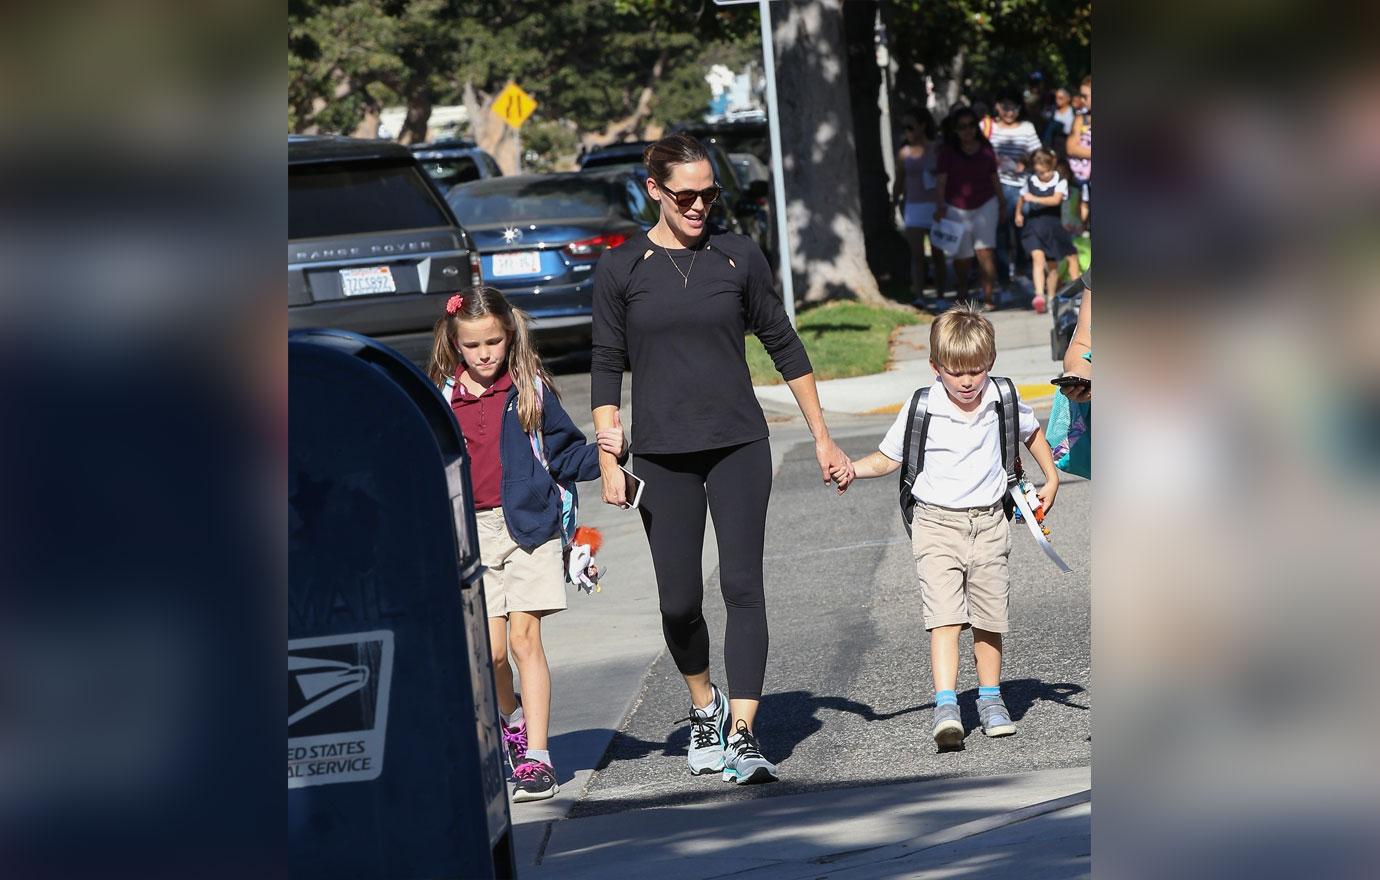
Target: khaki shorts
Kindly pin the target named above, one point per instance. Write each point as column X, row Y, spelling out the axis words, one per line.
column 961, row 558
column 518, row 579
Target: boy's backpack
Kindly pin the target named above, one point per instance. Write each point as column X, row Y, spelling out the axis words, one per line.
column 917, row 430
column 569, row 502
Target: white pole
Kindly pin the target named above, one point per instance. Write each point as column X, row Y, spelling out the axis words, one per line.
column 783, row 238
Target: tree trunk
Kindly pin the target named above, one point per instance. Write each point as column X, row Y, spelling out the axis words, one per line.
column 488, row 131
column 636, row 122
column 419, row 103
column 368, row 126
column 823, row 210
column 887, row 251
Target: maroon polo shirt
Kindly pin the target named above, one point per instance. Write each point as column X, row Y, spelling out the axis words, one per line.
column 481, row 421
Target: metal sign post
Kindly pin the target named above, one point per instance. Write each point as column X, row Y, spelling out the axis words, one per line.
column 783, row 238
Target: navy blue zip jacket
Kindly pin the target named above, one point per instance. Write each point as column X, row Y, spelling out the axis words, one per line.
column 531, row 501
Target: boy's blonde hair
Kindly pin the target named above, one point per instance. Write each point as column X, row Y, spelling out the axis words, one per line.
column 962, row 340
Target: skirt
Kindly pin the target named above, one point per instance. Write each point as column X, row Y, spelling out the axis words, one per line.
column 1046, row 233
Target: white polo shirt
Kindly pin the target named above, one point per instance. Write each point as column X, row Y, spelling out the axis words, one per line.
column 962, row 450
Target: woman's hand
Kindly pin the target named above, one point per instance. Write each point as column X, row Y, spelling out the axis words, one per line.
column 612, row 440
column 834, row 465
column 1020, row 215
column 1078, row 393
column 614, row 485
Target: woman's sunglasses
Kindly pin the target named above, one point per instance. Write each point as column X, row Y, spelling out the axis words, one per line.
column 685, row 199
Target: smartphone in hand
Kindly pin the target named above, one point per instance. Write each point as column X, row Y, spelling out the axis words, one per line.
column 632, row 487
column 1071, row 381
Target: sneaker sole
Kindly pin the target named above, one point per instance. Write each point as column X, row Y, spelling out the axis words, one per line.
column 521, row 797
column 1000, row 730
column 948, row 734
column 760, row 775
column 705, row 771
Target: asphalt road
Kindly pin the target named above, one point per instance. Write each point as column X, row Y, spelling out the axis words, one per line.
column 848, row 695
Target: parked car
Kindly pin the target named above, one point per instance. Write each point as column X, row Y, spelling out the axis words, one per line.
column 452, row 161
column 750, row 168
column 540, row 235
column 736, row 210
column 746, row 134
column 372, row 247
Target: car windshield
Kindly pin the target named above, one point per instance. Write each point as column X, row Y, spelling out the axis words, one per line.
column 451, row 171
column 538, row 197
column 610, row 159
column 329, row 200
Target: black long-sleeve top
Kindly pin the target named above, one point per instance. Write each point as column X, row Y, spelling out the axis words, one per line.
column 684, row 342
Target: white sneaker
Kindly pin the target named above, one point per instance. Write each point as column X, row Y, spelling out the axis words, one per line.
column 708, row 733
column 744, row 763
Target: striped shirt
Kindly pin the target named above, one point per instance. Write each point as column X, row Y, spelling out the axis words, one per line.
column 1013, row 145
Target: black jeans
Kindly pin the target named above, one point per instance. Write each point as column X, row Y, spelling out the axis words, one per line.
column 734, row 484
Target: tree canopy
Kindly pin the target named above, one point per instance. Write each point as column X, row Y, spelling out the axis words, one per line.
column 596, row 63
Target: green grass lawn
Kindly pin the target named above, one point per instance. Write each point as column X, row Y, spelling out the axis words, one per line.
column 843, row 339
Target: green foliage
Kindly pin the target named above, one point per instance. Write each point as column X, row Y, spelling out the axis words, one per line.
column 1001, row 40
column 586, row 61
column 548, row 140
column 843, row 339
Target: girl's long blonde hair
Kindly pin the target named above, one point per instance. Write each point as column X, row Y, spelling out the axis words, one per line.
column 522, row 361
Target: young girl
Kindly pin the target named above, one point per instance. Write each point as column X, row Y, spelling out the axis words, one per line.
column 509, row 412
column 1042, row 227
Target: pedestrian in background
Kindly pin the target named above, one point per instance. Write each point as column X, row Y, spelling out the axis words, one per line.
column 1013, row 140
column 1039, row 216
column 960, row 533
column 915, row 194
column 522, row 445
column 1079, row 146
column 700, row 434
column 1060, row 122
column 969, row 191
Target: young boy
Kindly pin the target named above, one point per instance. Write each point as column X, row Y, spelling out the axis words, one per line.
column 960, row 534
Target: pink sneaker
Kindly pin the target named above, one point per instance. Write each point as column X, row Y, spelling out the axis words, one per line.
column 1039, row 305
column 514, row 743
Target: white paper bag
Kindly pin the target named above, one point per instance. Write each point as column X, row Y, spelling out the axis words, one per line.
column 947, row 235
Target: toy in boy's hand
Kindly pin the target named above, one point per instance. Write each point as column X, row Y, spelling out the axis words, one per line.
column 580, row 568
column 1036, row 506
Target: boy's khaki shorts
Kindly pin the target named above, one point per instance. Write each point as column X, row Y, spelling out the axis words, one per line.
column 518, row 579
column 961, row 557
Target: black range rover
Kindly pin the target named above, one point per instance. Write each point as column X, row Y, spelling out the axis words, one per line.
column 372, row 247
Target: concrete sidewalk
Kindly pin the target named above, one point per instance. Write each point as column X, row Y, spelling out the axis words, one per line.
column 1028, row 825
column 1023, row 355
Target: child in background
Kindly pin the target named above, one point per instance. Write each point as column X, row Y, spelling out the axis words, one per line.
column 1039, row 215
column 509, row 413
column 960, row 535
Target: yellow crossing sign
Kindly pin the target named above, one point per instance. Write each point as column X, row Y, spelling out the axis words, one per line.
column 513, row 105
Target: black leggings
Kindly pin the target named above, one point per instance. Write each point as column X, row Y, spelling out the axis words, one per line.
column 735, row 483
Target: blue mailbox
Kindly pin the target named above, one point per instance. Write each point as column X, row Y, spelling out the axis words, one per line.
column 394, row 761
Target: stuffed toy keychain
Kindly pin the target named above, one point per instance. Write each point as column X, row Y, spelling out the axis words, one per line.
column 580, row 568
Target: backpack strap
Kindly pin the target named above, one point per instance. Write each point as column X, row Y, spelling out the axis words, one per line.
column 1008, row 427
column 569, row 511
column 449, row 390
column 913, row 462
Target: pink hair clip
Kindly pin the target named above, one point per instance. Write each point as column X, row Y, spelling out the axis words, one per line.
column 455, row 304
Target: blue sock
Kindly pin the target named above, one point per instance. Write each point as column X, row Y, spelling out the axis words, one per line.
column 945, row 698
column 989, row 693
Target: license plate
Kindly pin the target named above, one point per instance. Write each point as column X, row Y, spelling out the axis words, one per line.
column 517, row 263
column 375, row 279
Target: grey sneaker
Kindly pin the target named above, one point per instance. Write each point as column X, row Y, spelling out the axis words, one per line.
column 948, row 727
column 996, row 721
column 535, row 782
column 708, row 734
column 745, row 764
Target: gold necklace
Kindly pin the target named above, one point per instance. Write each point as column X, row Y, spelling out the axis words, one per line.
column 685, row 276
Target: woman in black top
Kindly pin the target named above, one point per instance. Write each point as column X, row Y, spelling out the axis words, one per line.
column 673, row 306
